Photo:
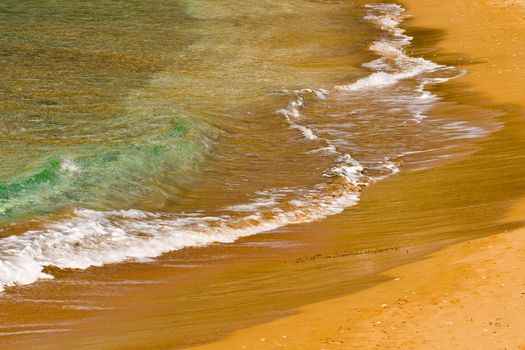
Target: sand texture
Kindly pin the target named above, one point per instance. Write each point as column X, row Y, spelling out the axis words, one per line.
column 468, row 296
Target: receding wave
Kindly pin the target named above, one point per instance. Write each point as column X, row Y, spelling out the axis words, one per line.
column 94, row 237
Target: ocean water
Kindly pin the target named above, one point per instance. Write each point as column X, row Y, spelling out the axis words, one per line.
column 131, row 129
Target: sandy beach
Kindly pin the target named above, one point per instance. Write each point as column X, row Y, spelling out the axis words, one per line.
column 430, row 258
column 467, row 296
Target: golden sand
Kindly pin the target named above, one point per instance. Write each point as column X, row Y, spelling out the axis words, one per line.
column 468, row 296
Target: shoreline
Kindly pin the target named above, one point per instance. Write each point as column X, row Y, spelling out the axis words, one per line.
column 471, row 300
column 466, row 296
column 151, row 316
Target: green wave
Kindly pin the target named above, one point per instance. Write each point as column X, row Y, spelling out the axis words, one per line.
column 101, row 177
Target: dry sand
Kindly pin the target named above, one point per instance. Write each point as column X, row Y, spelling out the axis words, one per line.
column 468, row 296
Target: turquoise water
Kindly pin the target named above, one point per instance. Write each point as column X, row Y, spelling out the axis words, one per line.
column 99, row 177
column 70, row 138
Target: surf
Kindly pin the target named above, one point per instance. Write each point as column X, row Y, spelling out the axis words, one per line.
column 95, row 236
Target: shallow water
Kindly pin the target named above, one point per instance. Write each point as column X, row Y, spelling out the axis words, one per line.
column 248, row 122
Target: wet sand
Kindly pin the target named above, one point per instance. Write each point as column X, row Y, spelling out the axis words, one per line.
column 468, row 296
column 224, row 288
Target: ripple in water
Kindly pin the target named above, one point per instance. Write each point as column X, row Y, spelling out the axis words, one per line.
column 378, row 119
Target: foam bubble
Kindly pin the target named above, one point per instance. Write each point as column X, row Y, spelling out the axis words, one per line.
column 69, row 165
column 292, row 112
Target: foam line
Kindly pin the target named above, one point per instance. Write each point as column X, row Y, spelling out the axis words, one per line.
column 94, row 238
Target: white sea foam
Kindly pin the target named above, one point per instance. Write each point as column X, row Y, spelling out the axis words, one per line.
column 35, row 331
column 462, row 130
column 292, row 113
column 69, row 165
column 95, row 238
column 326, row 150
column 268, row 202
column 393, row 64
column 348, row 168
